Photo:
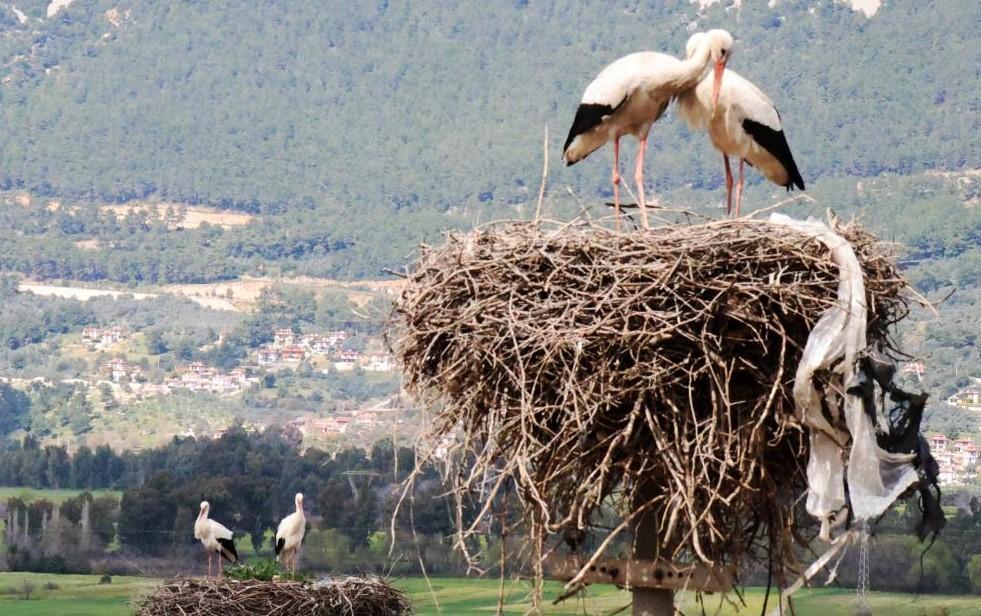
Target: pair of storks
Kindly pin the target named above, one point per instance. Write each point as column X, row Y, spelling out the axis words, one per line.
column 630, row 94
column 217, row 539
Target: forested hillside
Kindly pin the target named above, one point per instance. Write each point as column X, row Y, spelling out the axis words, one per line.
column 355, row 130
column 375, row 106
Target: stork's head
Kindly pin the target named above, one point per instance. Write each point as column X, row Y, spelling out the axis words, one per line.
column 299, row 501
column 204, row 508
column 693, row 42
column 719, row 45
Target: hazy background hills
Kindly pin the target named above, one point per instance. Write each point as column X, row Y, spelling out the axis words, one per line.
column 432, row 105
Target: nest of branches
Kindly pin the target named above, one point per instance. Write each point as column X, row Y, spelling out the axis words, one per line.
column 643, row 374
column 368, row 596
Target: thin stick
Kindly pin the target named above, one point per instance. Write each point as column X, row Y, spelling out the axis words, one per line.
column 541, row 189
column 780, row 204
column 503, row 516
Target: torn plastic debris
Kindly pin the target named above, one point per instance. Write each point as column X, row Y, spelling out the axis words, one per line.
column 898, row 430
column 875, row 477
column 883, row 454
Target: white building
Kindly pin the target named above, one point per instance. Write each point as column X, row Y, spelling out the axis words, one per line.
column 379, row 362
column 968, row 398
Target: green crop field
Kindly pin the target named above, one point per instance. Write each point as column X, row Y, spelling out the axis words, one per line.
column 55, row 496
column 467, row 596
column 69, row 595
column 82, row 595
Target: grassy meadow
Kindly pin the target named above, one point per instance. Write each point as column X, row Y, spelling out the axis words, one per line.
column 83, row 595
column 69, row 595
column 56, row 496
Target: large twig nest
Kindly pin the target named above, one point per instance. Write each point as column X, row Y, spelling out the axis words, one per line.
column 591, row 366
column 353, row 596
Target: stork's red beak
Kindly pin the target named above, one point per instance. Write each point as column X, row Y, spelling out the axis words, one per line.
column 720, row 67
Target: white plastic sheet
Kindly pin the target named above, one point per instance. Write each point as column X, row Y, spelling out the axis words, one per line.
column 875, row 477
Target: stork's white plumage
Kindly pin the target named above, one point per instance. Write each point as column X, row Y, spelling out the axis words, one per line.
column 289, row 535
column 214, row 537
column 630, row 94
column 742, row 121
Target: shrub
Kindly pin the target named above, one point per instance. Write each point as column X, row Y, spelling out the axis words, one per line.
column 263, row 570
column 974, row 573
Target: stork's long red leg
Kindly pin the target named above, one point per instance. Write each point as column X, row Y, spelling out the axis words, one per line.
column 728, row 186
column 739, row 186
column 639, row 178
column 616, row 180
column 209, row 564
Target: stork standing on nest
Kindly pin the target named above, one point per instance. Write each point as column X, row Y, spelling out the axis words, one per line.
column 289, row 536
column 630, row 94
column 214, row 537
column 741, row 121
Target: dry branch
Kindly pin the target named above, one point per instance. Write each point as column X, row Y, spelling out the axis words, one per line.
column 590, row 366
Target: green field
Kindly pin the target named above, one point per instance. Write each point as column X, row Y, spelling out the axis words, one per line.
column 72, row 595
column 82, row 595
column 466, row 596
column 55, row 496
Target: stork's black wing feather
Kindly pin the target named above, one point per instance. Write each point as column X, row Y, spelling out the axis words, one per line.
column 228, row 547
column 588, row 117
column 775, row 142
column 280, row 544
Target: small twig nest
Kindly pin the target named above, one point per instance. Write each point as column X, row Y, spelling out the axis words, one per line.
column 353, row 596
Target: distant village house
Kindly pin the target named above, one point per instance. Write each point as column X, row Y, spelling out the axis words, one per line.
column 288, row 346
column 957, row 458
column 346, row 361
column 102, row 337
column 118, row 369
column 330, row 426
column 204, row 378
column 267, row 356
column 968, row 398
column 380, row 362
column 294, row 353
column 914, row 367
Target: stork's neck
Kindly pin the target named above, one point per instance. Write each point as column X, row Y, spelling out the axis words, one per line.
column 200, row 524
column 693, row 69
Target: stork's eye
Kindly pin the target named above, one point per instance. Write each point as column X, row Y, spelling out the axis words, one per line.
column 723, row 53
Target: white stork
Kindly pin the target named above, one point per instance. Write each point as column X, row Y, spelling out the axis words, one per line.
column 289, row 535
column 214, row 537
column 741, row 121
column 630, row 94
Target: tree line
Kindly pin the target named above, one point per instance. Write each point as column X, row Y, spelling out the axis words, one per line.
column 250, row 480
